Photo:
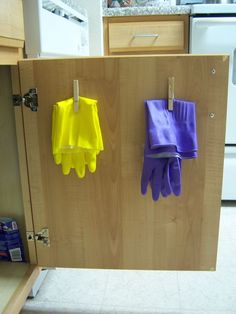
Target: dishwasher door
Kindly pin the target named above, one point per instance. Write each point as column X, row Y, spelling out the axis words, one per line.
column 218, row 35
column 228, row 190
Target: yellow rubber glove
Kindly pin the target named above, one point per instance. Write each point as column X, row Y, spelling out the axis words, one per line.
column 78, row 161
column 76, row 136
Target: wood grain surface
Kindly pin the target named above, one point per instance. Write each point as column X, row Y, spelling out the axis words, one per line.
column 10, row 55
column 172, row 33
column 11, row 19
column 140, row 36
column 16, row 281
column 103, row 221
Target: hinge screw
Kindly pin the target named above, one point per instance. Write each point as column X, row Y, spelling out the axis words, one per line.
column 211, row 115
column 30, row 236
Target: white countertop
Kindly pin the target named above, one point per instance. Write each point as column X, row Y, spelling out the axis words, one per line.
column 163, row 9
column 152, row 10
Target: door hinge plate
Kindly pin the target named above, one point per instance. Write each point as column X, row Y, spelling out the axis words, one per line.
column 40, row 237
column 29, row 99
column 43, row 237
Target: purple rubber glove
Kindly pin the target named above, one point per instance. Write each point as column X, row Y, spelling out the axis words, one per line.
column 153, row 172
column 163, row 174
column 171, row 182
column 170, row 137
column 172, row 129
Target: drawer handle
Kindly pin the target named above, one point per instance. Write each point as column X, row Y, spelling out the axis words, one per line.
column 145, row 35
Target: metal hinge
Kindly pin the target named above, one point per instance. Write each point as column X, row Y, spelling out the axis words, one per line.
column 30, row 99
column 40, row 237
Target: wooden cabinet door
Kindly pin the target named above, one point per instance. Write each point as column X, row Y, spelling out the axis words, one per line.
column 103, row 221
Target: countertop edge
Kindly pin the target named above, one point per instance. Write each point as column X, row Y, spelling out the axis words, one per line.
column 152, row 10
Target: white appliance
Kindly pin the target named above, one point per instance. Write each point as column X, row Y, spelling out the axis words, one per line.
column 53, row 28
column 213, row 30
column 94, row 9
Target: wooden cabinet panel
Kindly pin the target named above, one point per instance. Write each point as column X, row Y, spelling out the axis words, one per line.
column 146, row 34
column 11, row 31
column 10, row 55
column 11, row 19
column 16, row 280
column 103, row 221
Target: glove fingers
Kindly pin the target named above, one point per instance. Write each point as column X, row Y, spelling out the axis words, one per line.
column 156, row 181
column 90, row 160
column 146, row 176
column 165, row 186
column 57, row 158
column 79, row 164
column 175, row 175
column 66, row 163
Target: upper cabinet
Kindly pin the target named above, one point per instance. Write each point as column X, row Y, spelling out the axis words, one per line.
column 11, row 31
column 146, row 34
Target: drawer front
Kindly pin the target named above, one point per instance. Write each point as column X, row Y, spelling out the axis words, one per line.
column 146, row 36
column 11, row 19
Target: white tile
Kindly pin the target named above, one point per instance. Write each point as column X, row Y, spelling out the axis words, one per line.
column 74, row 286
column 135, row 310
column 207, row 290
column 207, row 312
column 140, row 289
column 125, row 310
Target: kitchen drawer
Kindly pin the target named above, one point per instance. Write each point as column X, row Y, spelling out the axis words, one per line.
column 228, row 189
column 146, row 35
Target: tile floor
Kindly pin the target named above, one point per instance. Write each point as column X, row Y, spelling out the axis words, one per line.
column 145, row 292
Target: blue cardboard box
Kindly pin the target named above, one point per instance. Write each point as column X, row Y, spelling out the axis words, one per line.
column 11, row 247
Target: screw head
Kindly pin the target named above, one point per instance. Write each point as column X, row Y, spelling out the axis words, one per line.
column 211, row 115
column 213, row 71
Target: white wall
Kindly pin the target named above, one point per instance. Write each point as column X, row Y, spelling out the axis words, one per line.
column 94, row 10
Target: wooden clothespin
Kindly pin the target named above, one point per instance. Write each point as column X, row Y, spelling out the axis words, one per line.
column 171, row 92
column 76, row 95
